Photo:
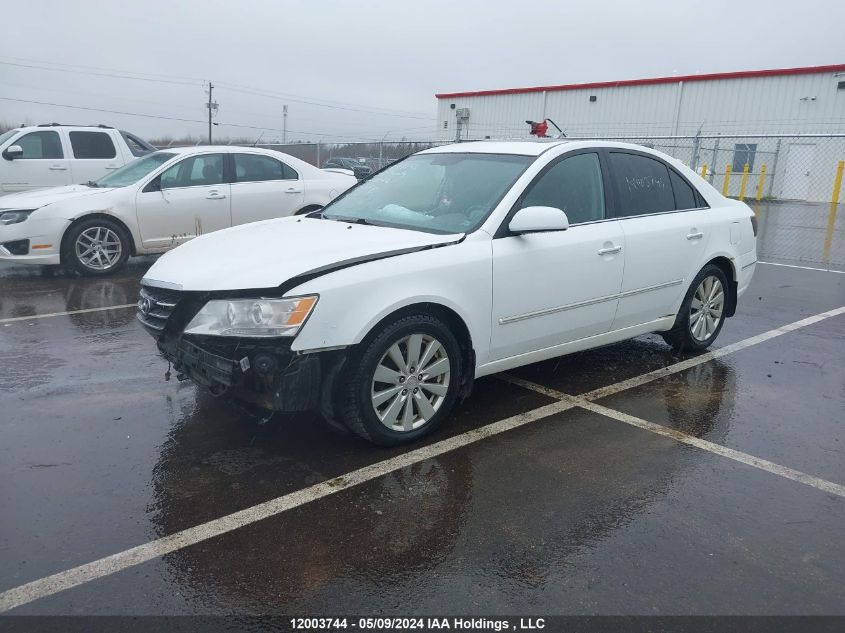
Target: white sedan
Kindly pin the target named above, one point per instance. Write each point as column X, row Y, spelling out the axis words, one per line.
column 455, row 263
column 158, row 202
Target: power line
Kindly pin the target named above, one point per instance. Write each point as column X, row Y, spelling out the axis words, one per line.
column 169, row 118
column 131, row 75
column 90, row 72
column 64, row 105
column 110, row 70
column 350, row 107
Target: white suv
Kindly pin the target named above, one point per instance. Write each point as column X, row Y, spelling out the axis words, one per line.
column 52, row 155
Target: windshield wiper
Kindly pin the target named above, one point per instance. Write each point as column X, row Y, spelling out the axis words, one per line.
column 340, row 218
column 91, row 183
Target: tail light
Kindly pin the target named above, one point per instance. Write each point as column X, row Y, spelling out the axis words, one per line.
column 754, row 224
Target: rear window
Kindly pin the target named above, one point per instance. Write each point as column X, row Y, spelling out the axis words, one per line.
column 92, row 145
column 643, row 184
column 258, row 168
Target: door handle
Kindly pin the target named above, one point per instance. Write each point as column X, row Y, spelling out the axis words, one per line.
column 695, row 236
column 610, row 251
column 111, row 167
column 58, row 167
column 292, row 190
column 215, row 195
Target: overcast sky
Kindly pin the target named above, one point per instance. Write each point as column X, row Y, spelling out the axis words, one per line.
column 366, row 69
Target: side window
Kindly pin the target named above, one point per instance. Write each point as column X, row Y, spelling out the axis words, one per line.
column 205, row 169
column 258, row 168
column 643, row 184
column 290, row 172
column 573, row 185
column 92, row 145
column 684, row 195
column 40, row 145
column 136, row 145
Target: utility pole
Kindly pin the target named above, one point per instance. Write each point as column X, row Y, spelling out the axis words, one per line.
column 210, row 88
column 284, row 125
column 212, row 108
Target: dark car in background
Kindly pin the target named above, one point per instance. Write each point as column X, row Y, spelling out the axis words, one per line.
column 360, row 169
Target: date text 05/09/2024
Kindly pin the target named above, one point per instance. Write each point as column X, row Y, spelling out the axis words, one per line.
column 418, row 624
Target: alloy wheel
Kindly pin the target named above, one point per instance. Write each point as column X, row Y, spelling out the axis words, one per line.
column 708, row 304
column 410, row 382
column 98, row 248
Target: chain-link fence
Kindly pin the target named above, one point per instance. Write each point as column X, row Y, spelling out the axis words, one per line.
column 374, row 155
column 792, row 182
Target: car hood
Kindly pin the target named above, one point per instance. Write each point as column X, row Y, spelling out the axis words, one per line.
column 38, row 198
column 268, row 254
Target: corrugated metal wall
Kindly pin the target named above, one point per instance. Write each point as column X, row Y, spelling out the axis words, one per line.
column 774, row 104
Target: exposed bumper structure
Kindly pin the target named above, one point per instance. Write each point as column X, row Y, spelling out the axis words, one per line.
column 265, row 372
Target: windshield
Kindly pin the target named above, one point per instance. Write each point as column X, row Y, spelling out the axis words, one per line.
column 438, row 193
column 132, row 172
column 5, row 136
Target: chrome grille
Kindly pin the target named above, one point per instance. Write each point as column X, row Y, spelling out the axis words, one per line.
column 155, row 306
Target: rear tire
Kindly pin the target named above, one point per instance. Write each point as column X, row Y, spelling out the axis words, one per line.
column 702, row 312
column 95, row 247
column 403, row 382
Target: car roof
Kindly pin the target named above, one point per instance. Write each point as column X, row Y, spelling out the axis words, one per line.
column 219, row 149
column 523, row 148
column 538, row 147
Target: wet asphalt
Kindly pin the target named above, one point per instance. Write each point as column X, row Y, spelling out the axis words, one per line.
column 576, row 513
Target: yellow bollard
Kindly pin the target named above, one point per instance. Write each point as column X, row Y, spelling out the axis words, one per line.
column 743, row 182
column 704, row 171
column 759, row 195
column 831, row 216
column 727, row 180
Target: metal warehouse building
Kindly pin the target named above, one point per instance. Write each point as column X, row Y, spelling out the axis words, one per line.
column 772, row 130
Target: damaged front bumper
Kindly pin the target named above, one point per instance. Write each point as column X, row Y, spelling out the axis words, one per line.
column 269, row 375
column 264, row 372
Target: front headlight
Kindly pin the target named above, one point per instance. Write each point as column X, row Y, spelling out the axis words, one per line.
column 252, row 317
column 13, row 217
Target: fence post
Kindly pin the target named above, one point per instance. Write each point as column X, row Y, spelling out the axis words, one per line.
column 759, row 195
column 696, row 143
column 774, row 167
column 715, row 154
column 831, row 216
column 743, row 182
column 704, row 170
column 727, row 180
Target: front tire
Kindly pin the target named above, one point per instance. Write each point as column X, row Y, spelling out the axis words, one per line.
column 403, row 383
column 702, row 313
column 95, row 247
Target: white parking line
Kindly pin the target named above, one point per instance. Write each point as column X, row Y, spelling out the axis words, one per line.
column 684, row 438
column 823, row 270
column 708, row 356
column 55, row 314
column 61, row 581
column 154, row 549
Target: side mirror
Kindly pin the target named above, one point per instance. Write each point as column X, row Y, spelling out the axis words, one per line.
column 153, row 185
column 537, row 219
column 12, row 152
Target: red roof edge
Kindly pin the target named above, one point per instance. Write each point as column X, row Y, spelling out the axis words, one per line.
column 807, row 70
